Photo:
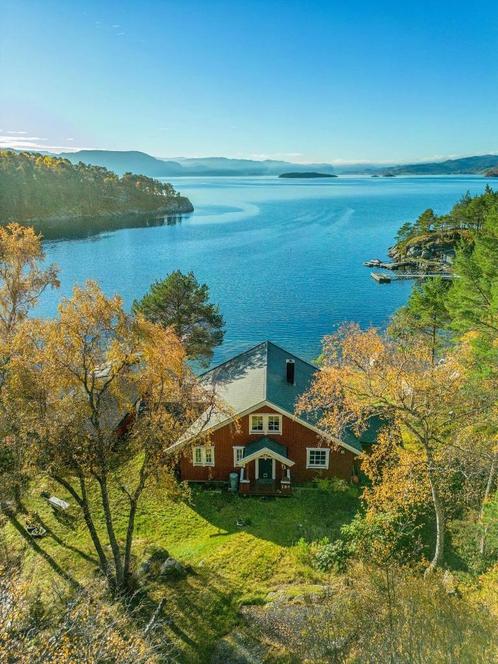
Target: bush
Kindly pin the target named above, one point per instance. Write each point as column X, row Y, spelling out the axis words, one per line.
column 323, row 554
column 332, row 555
column 331, row 485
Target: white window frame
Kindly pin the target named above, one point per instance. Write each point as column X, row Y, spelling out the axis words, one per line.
column 265, row 429
column 324, row 466
column 279, row 419
column 203, row 461
column 236, row 450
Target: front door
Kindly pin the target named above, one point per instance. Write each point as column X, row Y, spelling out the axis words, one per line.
column 265, row 469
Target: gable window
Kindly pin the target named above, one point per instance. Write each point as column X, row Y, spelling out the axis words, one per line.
column 238, row 453
column 262, row 423
column 257, row 424
column 317, row 457
column 274, row 423
column 203, row 456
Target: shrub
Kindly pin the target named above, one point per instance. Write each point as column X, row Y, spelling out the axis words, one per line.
column 323, row 554
column 331, row 485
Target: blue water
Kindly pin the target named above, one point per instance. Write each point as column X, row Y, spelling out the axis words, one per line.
column 282, row 258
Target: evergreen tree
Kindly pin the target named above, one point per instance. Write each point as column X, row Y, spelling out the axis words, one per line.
column 181, row 302
column 473, row 299
column 425, row 313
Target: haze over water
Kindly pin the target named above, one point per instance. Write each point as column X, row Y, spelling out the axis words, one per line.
column 283, row 259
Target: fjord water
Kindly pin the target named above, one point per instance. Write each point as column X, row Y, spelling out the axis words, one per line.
column 283, row 258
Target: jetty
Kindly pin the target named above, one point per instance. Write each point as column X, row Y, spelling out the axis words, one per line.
column 382, row 278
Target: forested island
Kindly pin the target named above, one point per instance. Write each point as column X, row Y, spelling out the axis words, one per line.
column 40, row 188
column 307, row 174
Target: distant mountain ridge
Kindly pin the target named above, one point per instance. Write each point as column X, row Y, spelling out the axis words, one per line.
column 141, row 163
column 128, row 161
column 460, row 166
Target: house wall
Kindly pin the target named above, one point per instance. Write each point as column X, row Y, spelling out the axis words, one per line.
column 294, row 435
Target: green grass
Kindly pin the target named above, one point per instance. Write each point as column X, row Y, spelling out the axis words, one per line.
column 231, row 565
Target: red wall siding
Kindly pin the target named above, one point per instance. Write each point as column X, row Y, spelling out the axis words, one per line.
column 294, row 435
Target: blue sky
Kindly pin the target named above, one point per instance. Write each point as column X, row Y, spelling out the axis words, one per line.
column 304, row 81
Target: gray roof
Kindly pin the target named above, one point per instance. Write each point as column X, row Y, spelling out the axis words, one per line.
column 257, row 375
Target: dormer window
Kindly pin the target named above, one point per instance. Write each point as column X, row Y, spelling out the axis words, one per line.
column 262, row 423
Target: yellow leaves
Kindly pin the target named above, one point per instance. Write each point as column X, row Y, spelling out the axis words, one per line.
column 22, row 280
column 365, row 373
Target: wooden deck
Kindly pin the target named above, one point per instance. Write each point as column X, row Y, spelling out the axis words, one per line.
column 256, row 488
column 383, row 278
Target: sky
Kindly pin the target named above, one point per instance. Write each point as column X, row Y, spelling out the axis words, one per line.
column 298, row 80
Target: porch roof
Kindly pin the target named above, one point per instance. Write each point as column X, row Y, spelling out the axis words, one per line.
column 265, row 446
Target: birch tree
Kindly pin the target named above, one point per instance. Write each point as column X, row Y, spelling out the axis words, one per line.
column 366, row 374
column 104, row 397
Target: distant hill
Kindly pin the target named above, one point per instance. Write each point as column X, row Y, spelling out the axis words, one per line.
column 307, row 174
column 461, row 166
column 121, row 162
column 225, row 166
column 142, row 163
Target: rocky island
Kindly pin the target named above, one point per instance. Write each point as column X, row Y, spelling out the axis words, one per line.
column 40, row 189
column 307, row 174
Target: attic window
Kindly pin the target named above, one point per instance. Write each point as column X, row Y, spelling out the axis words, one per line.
column 265, row 424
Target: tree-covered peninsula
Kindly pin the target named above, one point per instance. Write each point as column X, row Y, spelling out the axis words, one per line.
column 38, row 188
column 430, row 242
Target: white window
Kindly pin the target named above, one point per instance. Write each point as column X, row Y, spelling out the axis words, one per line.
column 262, row 423
column 274, row 423
column 203, row 456
column 238, row 453
column 317, row 457
column 257, row 424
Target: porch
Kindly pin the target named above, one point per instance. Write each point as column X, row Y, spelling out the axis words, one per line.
column 273, row 488
column 265, row 469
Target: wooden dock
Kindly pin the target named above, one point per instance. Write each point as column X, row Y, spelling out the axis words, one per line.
column 383, row 278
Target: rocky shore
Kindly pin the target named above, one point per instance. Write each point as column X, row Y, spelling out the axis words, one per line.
column 74, row 226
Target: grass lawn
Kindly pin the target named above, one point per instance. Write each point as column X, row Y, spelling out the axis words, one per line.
column 232, row 565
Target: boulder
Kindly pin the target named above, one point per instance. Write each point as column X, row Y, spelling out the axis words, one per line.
column 173, row 569
column 151, row 565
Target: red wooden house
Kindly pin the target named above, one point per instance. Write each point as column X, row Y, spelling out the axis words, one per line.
column 263, row 440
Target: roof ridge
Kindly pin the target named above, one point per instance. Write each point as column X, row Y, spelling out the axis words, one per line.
column 313, row 366
column 234, row 357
